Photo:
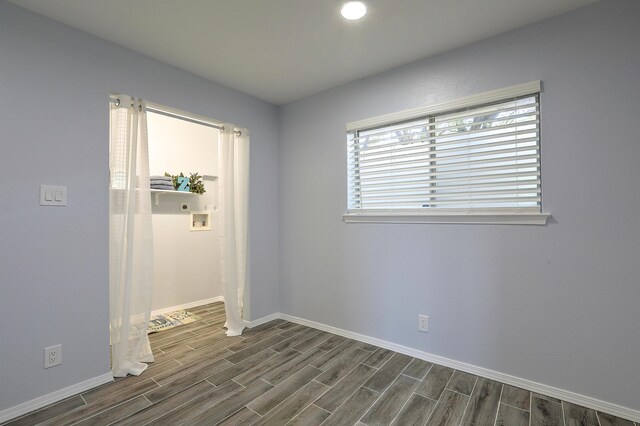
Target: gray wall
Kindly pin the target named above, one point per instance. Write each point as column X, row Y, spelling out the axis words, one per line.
column 54, row 88
column 555, row 304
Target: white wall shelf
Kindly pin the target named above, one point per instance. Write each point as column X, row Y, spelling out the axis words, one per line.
column 157, row 192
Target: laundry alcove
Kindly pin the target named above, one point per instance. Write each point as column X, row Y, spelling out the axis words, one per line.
column 186, row 263
column 157, row 263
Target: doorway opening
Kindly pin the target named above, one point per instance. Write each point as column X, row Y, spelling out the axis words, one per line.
column 178, row 226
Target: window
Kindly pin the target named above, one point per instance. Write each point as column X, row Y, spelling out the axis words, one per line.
column 472, row 160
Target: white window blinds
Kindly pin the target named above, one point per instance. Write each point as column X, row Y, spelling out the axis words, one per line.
column 482, row 157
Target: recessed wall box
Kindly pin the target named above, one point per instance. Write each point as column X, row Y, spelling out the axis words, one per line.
column 200, row 221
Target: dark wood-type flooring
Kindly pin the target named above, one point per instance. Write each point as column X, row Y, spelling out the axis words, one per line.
column 281, row 373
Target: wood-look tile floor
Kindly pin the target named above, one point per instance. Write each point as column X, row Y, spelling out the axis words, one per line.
column 281, row 373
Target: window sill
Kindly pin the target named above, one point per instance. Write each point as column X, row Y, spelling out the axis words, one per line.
column 450, row 218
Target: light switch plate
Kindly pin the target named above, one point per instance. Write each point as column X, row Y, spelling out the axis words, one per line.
column 51, row 195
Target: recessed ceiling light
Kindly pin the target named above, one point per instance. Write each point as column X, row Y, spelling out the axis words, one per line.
column 353, row 10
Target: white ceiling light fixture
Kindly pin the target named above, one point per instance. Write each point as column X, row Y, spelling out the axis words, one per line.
column 353, row 10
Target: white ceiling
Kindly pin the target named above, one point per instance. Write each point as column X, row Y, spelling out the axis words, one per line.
column 284, row 50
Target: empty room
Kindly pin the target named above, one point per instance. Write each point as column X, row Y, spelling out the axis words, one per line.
column 305, row 212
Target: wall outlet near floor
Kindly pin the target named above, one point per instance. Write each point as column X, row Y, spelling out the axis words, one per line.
column 52, row 356
column 423, row 323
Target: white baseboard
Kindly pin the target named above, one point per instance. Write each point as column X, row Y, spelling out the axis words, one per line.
column 565, row 395
column 188, row 305
column 50, row 398
column 259, row 321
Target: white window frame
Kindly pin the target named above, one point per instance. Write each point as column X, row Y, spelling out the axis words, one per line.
column 462, row 216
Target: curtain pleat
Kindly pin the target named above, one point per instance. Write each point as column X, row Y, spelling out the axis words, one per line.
column 233, row 170
column 130, row 238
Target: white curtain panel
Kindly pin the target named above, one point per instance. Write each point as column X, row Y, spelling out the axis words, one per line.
column 130, row 238
column 233, row 181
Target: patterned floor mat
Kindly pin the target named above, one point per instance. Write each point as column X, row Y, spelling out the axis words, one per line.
column 170, row 319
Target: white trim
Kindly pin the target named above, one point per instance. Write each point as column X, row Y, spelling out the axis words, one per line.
column 53, row 397
column 471, row 218
column 188, row 305
column 481, row 98
column 260, row 321
column 565, row 395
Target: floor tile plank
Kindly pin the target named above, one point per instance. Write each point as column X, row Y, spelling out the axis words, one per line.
column 462, row 382
column 176, row 386
column 342, row 367
column 336, row 354
column 247, row 342
column 289, row 325
column 294, row 405
column 332, row 343
column 171, row 375
column 483, row 405
column 368, row 347
column 292, row 366
column 163, row 356
column 118, row 412
column 216, row 340
column 199, row 390
column 242, row 417
column 417, row 368
column 184, row 413
column 248, row 332
column 434, row 382
column 275, row 396
column 415, row 412
column 49, row 412
column 345, row 387
column 293, row 331
column 241, row 367
column 102, row 404
column 516, row 397
column 449, row 410
column 254, row 349
column 311, row 416
column 575, row 415
column 218, row 406
column 312, row 342
column 390, row 402
column 609, row 420
column 119, row 385
column 295, row 340
column 378, row 357
column 213, row 351
column 511, row 416
column 353, row 408
column 171, row 340
column 545, row 413
column 269, row 365
column 388, row 372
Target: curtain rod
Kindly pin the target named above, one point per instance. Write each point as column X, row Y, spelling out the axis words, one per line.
column 180, row 117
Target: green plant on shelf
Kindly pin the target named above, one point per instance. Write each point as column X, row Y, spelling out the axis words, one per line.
column 195, row 182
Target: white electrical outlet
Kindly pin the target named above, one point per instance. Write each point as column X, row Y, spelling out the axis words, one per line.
column 423, row 323
column 52, row 356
